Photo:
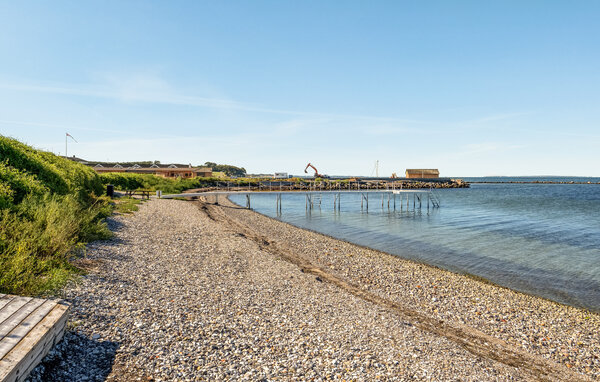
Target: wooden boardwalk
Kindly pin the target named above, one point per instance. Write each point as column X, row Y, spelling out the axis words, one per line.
column 29, row 328
column 419, row 196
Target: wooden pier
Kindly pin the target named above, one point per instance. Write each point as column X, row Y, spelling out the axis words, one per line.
column 419, row 198
column 29, row 328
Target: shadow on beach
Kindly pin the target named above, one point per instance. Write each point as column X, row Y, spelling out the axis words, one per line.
column 77, row 358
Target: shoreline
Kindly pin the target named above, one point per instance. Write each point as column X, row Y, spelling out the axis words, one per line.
column 560, row 311
column 416, row 262
column 217, row 292
column 423, row 263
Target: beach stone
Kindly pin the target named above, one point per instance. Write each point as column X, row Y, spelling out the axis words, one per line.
column 200, row 296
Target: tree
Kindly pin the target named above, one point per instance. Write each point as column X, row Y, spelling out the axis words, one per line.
column 229, row 170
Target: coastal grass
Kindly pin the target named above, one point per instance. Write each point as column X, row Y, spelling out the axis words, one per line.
column 49, row 209
column 126, row 204
column 132, row 181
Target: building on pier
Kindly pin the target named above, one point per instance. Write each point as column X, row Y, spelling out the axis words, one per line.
column 422, row 173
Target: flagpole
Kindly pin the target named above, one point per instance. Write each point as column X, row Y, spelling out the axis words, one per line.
column 66, row 136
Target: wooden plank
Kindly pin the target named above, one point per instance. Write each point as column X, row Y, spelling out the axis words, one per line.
column 5, row 300
column 17, row 364
column 17, row 316
column 24, row 327
column 54, row 337
column 13, row 305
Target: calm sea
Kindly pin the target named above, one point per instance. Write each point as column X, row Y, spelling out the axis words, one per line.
column 542, row 239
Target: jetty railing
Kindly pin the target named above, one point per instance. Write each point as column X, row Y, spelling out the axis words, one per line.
column 418, row 198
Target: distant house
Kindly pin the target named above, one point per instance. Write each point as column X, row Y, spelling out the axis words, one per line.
column 280, row 175
column 422, row 173
column 165, row 171
column 174, row 170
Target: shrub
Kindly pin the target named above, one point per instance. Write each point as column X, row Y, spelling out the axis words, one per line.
column 48, row 210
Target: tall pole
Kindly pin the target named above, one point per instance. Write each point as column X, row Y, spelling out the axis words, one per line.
column 66, row 136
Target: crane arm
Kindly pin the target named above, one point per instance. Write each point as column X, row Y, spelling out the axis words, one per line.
column 314, row 168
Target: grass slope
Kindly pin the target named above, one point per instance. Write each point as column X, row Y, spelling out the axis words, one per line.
column 49, row 207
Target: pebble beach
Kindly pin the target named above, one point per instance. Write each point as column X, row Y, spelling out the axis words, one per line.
column 192, row 291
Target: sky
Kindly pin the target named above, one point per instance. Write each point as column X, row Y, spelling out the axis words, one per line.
column 473, row 88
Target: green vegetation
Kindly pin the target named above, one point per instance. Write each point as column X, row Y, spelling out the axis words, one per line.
column 132, row 181
column 49, row 207
column 127, row 205
column 297, row 180
column 229, row 170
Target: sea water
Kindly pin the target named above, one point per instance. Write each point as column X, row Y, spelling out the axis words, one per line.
column 542, row 239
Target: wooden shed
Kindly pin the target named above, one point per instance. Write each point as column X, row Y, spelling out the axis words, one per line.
column 422, row 173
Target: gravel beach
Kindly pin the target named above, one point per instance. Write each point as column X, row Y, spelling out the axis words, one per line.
column 188, row 291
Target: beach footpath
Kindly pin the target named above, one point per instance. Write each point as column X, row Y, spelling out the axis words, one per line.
column 192, row 291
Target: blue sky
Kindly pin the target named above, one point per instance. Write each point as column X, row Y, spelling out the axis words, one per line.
column 470, row 87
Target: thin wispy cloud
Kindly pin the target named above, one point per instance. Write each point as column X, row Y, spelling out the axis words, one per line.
column 122, row 94
column 487, row 147
column 154, row 90
column 496, row 117
column 151, row 88
column 58, row 127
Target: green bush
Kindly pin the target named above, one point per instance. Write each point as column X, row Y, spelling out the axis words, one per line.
column 59, row 175
column 229, row 170
column 123, row 181
column 49, row 208
column 131, row 181
column 19, row 184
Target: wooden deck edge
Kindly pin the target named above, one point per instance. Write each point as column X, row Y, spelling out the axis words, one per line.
column 24, row 357
column 22, row 322
column 48, row 345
